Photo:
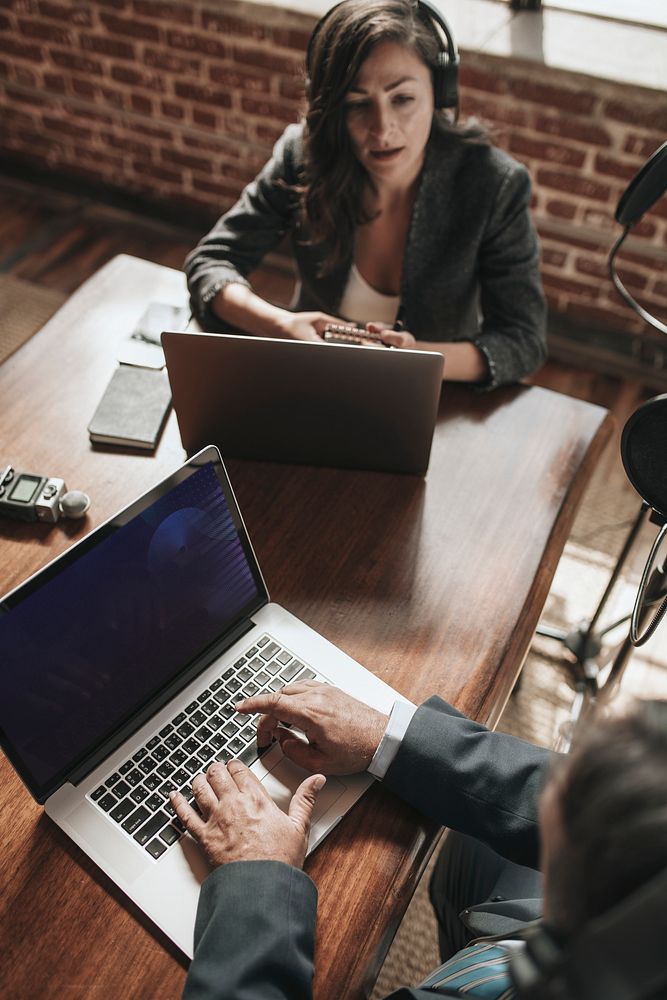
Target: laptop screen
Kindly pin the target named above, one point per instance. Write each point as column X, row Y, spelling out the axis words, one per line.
column 95, row 636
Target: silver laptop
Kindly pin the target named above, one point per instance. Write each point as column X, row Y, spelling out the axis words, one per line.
column 122, row 660
column 341, row 405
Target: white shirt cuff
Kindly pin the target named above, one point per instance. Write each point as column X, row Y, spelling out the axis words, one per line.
column 399, row 720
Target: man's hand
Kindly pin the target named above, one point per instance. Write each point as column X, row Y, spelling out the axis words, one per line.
column 241, row 822
column 342, row 733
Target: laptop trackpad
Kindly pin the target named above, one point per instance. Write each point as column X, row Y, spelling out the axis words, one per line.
column 284, row 779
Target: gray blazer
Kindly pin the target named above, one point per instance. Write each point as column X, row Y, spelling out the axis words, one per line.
column 471, row 251
column 255, row 928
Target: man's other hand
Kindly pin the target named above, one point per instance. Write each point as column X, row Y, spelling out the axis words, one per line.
column 240, row 821
column 341, row 733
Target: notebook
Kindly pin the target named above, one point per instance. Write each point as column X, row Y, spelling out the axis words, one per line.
column 341, row 405
column 122, row 660
column 133, row 409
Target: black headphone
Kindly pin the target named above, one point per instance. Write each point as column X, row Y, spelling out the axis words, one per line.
column 446, row 72
column 619, row 956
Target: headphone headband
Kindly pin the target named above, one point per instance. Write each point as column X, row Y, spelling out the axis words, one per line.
column 446, row 70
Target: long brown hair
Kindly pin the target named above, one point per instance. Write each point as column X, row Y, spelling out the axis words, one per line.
column 332, row 195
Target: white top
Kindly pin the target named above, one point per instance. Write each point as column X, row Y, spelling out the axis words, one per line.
column 362, row 304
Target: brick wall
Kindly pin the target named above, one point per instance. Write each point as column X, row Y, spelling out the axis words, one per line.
column 179, row 103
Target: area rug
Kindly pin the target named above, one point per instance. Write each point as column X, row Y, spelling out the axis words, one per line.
column 24, row 309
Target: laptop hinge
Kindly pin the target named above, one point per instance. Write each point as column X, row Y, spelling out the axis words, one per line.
column 85, row 767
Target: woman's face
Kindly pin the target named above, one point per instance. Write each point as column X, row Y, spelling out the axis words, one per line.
column 388, row 114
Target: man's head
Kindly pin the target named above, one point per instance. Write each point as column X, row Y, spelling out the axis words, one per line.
column 603, row 816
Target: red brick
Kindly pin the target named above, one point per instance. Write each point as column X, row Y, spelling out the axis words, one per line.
column 216, row 144
column 25, row 97
column 198, row 43
column 292, row 89
column 238, row 80
column 269, row 60
column 204, row 118
column 55, row 84
column 107, row 46
column 45, row 32
column 172, row 110
column 574, row 184
column 645, row 228
column 144, row 129
column 138, row 78
column 661, row 289
column 575, row 101
column 173, row 156
column 171, row 62
column 143, row 105
column 647, row 260
column 164, row 11
column 83, row 88
column 554, row 258
column 21, row 50
column 638, row 115
column 559, row 283
column 602, row 219
column 269, row 109
column 615, row 168
column 91, row 115
column 561, row 209
column 642, row 145
column 146, row 168
column 268, row 133
column 223, row 24
column 291, row 38
column 69, row 60
column 25, row 76
column 203, row 94
column 479, row 79
column 127, row 144
column 66, row 127
column 536, row 149
column 572, row 128
column 14, row 116
column 79, row 15
column 488, row 110
column 224, row 191
column 606, row 319
column 131, row 27
column 5, row 23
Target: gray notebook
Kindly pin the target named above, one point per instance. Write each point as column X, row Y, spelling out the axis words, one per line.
column 133, row 409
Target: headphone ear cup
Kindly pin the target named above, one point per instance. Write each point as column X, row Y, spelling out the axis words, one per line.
column 445, row 82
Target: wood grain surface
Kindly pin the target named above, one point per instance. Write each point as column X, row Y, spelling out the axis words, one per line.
column 436, row 585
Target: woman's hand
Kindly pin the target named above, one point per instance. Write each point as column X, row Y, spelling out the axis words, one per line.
column 304, row 325
column 393, row 338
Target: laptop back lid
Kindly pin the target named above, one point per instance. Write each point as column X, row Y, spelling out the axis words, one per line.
column 97, row 641
column 340, row 405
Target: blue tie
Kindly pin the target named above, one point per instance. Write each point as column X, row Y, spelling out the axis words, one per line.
column 481, row 970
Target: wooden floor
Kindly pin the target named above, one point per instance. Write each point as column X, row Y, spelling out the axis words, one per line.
column 57, row 240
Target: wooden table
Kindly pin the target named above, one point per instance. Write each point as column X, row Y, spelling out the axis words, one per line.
column 436, row 585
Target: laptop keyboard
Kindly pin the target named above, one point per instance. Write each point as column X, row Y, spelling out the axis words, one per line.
column 136, row 795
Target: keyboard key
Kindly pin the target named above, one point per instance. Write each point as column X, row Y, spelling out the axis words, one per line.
column 180, row 777
column 173, row 740
column 163, row 749
column 226, row 711
column 136, row 819
column 289, row 672
column 139, row 755
column 216, row 684
column 149, row 829
column 224, row 755
column 204, row 696
column 256, row 663
column 218, row 740
column 273, row 667
column 154, row 802
column 205, row 753
column 107, row 802
column 307, row 675
column 240, row 719
column 233, row 685
column 152, row 781
column 120, row 789
column 170, row 834
column 185, row 730
column 263, row 641
column 166, row 729
column 230, row 728
column 251, row 652
column 98, row 793
column 209, row 706
column 245, row 675
column 228, row 673
column 147, row 764
column 252, row 753
column 197, row 718
column 112, row 779
column 156, row 848
column 193, row 766
column 176, row 721
column 249, row 690
column 236, row 746
column 269, row 651
column 122, row 810
column 190, row 746
column 153, row 743
column 214, row 721
column 203, row 734
column 178, row 757
column 134, row 777
column 247, row 734
column 138, row 794
column 284, row 657
column 124, row 768
column 165, row 789
column 165, row 769
column 276, row 684
column 192, row 707
column 261, row 679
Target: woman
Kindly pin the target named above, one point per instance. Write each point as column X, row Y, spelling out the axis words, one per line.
column 397, row 218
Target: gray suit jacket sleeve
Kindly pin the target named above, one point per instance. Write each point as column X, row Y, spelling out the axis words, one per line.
column 254, row 934
column 480, row 783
